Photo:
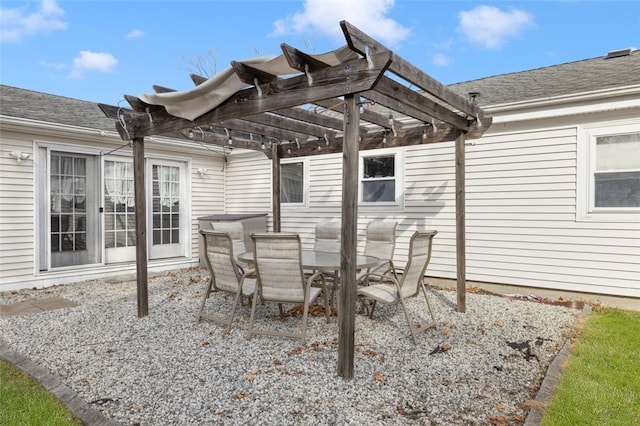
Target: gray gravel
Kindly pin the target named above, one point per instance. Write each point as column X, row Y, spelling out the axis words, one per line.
column 168, row 369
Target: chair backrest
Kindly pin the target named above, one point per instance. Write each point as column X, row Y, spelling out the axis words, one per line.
column 235, row 231
column 278, row 261
column 419, row 257
column 219, row 253
column 380, row 239
column 328, row 237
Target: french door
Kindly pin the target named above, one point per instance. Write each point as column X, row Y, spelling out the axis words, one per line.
column 73, row 222
column 166, row 209
column 119, row 210
column 82, row 223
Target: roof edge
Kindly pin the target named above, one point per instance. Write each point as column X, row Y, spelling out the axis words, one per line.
column 562, row 99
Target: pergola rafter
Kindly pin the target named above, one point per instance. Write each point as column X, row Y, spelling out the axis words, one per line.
column 359, row 97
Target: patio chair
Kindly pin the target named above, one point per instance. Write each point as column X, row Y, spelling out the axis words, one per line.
column 394, row 290
column 235, row 230
column 327, row 238
column 225, row 276
column 278, row 263
column 381, row 243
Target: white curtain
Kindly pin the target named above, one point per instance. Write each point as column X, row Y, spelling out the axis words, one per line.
column 67, row 183
column 169, row 185
column 118, row 182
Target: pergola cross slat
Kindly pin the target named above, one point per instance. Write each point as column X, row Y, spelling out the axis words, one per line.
column 306, row 104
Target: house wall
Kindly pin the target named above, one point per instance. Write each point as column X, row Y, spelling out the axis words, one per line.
column 522, row 223
column 18, row 208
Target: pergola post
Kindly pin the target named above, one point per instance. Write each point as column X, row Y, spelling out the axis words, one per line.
column 141, row 226
column 461, row 288
column 275, row 191
column 349, row 242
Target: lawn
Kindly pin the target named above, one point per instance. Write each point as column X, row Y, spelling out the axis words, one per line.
column 600, row 384
column 25, row 402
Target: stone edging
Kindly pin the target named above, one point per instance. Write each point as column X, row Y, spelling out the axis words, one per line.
column 83, row 411
column 551, row 379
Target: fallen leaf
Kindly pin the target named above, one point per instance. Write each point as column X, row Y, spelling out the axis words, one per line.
column 296, row 351
column 499, row 406
column 206, row 343
column 276, row 361
column 498, row 420
column 445, row 332
column 400, row 410
column 369, row 352
column 239, row 395
column 378, row 376
column 250, row 378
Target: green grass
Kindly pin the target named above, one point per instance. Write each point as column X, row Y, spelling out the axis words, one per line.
column 25, row 402
column 600, row 384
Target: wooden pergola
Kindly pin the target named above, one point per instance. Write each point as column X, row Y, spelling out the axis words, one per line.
column 366, row 98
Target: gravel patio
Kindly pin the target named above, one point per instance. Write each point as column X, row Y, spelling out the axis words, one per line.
column 481, row 367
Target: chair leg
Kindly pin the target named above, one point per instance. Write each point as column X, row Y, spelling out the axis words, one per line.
column 233, row 310
column 433, row 317
column 305, row 312
column 327, row 312
column 253, row 312
column 373, row 306
column 205, row 296
column 406, row 315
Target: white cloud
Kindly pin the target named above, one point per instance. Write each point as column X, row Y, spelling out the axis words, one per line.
column 53, row 65
column 136, row 34
column 18, row 23
column 324, row 16
column 490, row 26
column 92, row 61
column 441, row 59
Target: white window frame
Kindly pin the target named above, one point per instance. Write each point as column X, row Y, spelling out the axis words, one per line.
column 305, row 183
column 585, row 196
column 398, row 153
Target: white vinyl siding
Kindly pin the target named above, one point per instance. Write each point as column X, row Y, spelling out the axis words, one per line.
column 520, row 212
column 17, row 231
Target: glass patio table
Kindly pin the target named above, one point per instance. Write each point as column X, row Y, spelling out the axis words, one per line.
column 321, row 260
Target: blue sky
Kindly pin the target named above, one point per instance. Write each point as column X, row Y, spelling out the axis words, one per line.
column 100, row 50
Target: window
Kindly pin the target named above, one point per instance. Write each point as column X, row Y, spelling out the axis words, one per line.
column 609, row 173
column 380, row 178
column 616, row 178
column 293, row 183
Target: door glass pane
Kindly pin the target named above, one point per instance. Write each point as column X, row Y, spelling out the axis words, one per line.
column 68, row 182
column 166, row 204
column 119, row 204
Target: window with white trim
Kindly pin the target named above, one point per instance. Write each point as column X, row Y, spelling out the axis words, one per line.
column 381, row 180
column 609, row 173
column 616, row 175
column 294, row 183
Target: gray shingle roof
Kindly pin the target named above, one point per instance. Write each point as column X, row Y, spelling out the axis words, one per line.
column 564, row 79
column 22, row 103
column 557, row 80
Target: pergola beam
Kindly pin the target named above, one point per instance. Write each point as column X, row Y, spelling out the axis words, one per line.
column 354, row 76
